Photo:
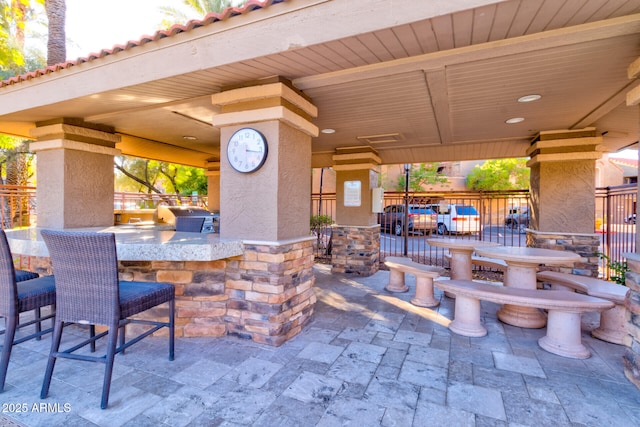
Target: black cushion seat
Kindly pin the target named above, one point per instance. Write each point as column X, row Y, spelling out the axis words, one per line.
column 136, row 297
column 21, row 291
column 36, row 293
column 22, row 275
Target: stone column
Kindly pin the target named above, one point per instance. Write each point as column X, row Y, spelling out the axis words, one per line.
column 631, row 357
column 213, row 185
column 75, row 174
column 563, row 167
column 270, row 287
column 356, row 234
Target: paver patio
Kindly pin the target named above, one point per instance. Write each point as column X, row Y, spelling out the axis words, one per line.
column 368, row 358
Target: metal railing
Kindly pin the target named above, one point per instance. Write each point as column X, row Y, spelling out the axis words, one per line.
column 132, row 201
column 615, row 218
column 615, row 223
column 18, row 206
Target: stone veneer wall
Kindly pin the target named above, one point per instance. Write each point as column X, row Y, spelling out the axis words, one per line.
column 355, row 249
column 585, row 245
column 266, row 295
column 631, row 358
column 270, row 292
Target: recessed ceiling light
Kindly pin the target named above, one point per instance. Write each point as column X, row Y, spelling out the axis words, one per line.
column 328, row 131
column 529, row 98
column 514, row 120
column 189, row 138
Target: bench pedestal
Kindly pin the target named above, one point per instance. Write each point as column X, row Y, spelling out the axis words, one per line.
column 612, row 325
column 521, row 277
column 467, row 317
column 563, row 335
column 424, row 292
column 396, row 281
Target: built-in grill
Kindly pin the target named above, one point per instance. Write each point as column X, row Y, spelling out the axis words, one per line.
column 189, row 218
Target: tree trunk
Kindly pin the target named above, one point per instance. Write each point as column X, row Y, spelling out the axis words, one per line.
column 56, row 45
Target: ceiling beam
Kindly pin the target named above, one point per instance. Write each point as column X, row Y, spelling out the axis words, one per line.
column 439, row 96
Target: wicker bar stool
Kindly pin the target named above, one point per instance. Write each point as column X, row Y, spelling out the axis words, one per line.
column 21, row 291
column 89, row 292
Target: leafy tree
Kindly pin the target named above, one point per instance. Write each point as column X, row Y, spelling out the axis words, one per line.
column 424, row 174
column 151, row 176
column 500, row 174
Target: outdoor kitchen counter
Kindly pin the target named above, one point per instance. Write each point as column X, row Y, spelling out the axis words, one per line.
column 140, row 243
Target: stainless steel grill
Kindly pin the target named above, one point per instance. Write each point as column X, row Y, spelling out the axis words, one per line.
column 192, row 219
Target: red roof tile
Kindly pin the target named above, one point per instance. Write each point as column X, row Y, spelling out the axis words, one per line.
column 209, row 19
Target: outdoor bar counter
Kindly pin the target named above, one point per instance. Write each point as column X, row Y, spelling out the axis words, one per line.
column 256, row 290
column 140, row 243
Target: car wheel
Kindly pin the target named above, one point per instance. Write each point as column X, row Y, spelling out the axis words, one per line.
column 442, row 229
column 523, row 229
column 398, row 229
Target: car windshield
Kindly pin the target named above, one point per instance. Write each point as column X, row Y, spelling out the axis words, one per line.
column 466, row 210
column 420, row 210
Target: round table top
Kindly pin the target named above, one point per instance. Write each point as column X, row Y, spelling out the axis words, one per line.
column 459, row 244
column 528, row 255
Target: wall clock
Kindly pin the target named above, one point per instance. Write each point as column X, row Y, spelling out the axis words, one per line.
column 247, row 150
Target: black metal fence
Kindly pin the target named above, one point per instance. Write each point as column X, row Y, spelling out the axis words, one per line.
column 616, row 224
column 615, row 219
column 503, row 217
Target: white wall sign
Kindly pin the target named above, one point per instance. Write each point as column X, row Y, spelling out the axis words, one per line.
column 352, row 193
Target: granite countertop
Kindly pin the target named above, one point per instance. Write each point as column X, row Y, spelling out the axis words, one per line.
column 140, row 243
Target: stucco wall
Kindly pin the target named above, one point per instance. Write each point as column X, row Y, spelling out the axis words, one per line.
column 272, row 203
column 354, row 215
column 74, row 189
column 562, row 194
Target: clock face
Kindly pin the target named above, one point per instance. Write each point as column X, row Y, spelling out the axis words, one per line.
column 247, row 150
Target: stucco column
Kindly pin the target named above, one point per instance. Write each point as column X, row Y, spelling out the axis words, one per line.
column 74, row 174
column 213, row 185
column 563, row 168
column 356, row 234
column 270, row 287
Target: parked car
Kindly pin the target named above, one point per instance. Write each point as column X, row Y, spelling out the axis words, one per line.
column 517, row 219
column 421, row 219
column 458, row 219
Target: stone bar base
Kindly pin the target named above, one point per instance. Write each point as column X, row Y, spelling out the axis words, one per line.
column 585, row 245
column 631, row 358
column 265, row 295
column 355, row 250
column 270, row 291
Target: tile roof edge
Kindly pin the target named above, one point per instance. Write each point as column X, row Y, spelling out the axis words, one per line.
column 208, row 19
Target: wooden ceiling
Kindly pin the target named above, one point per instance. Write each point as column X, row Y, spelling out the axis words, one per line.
column 417, row 81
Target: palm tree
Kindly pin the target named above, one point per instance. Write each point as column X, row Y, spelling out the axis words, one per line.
column 201, row 7
column 56, row 44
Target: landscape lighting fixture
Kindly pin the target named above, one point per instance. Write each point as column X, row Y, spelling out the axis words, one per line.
column 514, row 120
column 328, row 131
column 189, row 138
column 529, row 98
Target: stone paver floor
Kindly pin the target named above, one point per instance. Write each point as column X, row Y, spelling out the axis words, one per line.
column 368, row 358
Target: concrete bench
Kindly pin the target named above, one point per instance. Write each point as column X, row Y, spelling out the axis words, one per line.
column 612, row 322
column 563, row 322
column 424, row 274
column 496, row 264
column 481, row 261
